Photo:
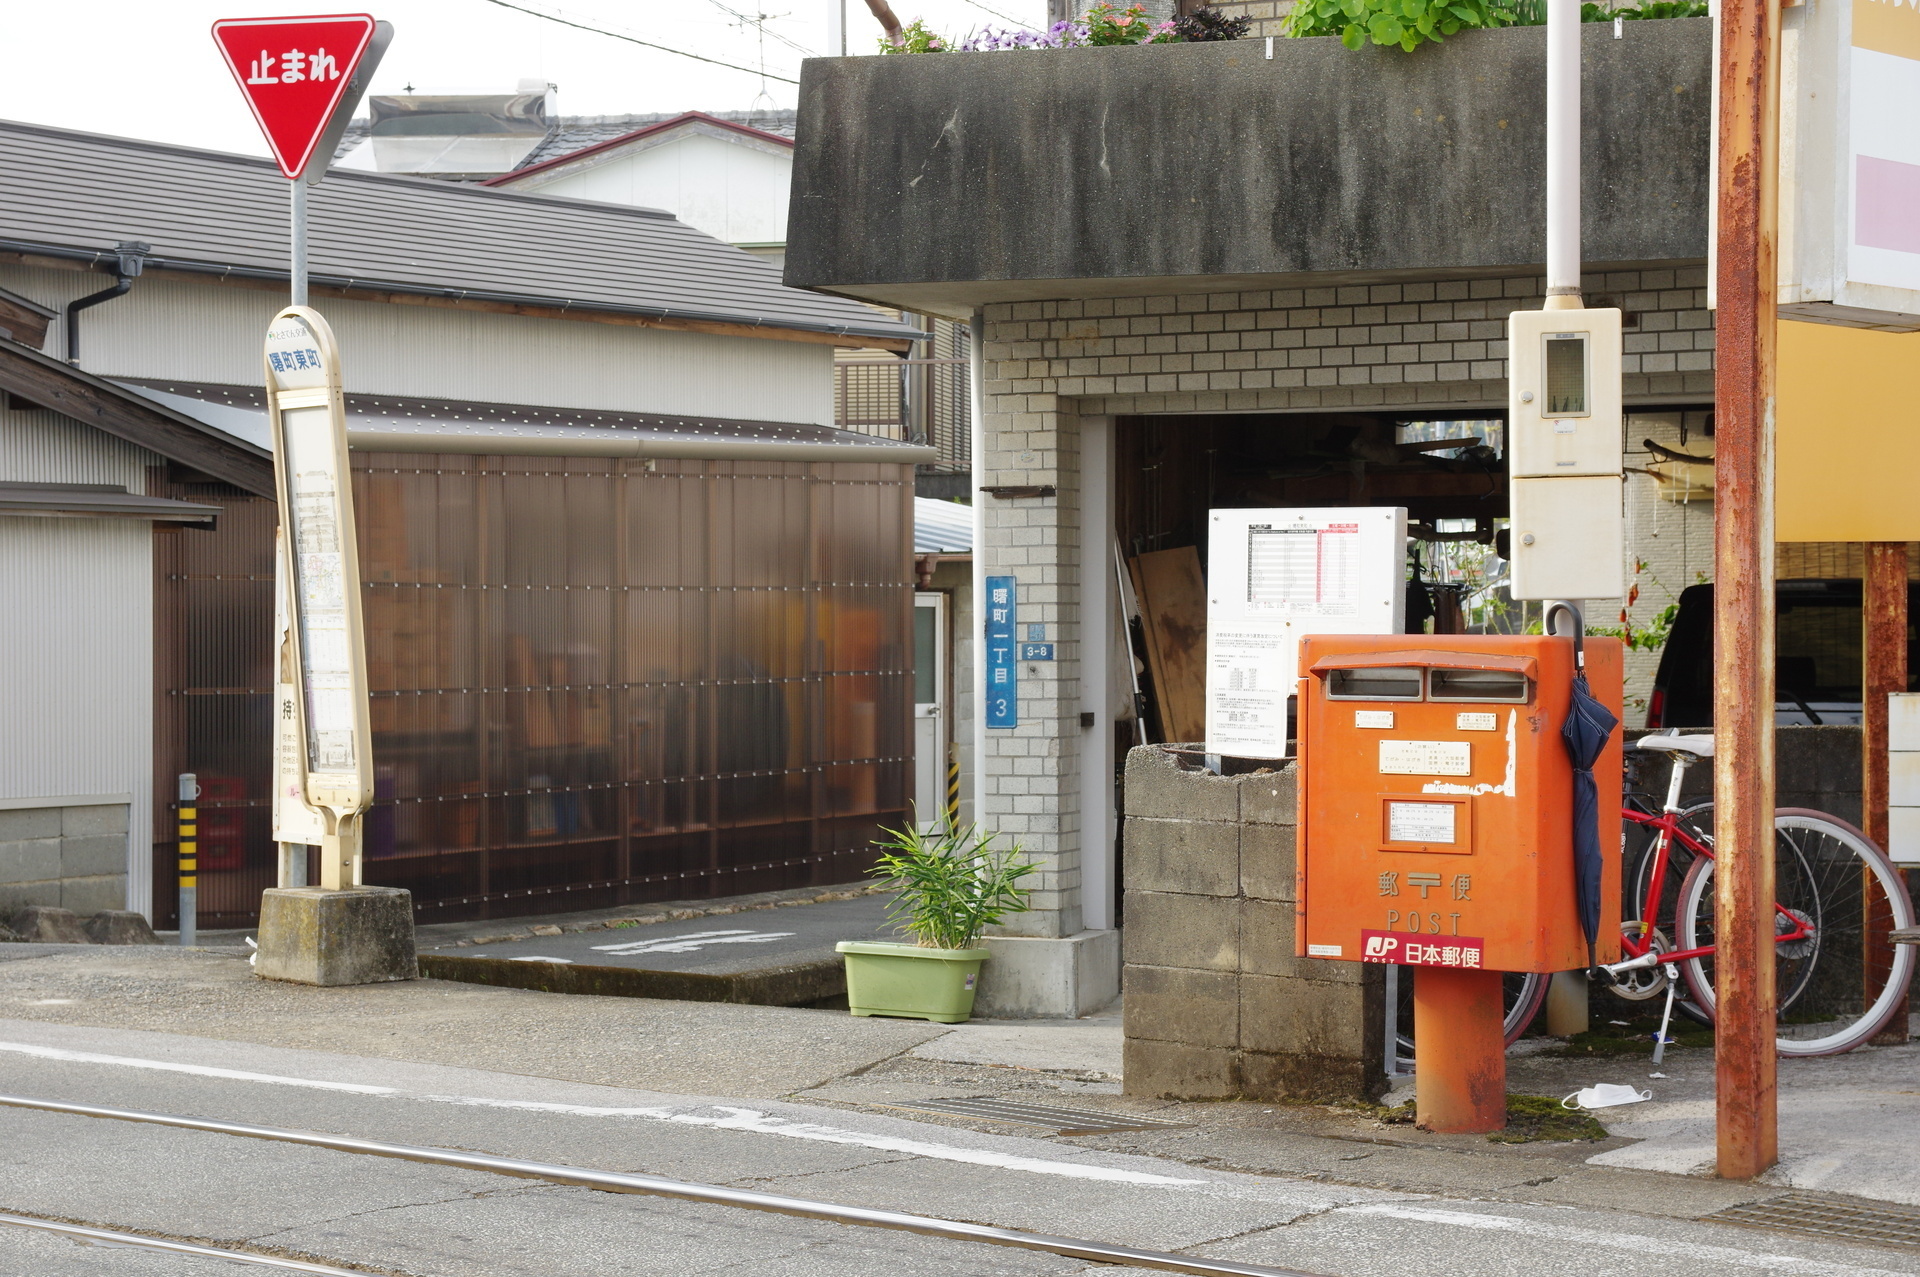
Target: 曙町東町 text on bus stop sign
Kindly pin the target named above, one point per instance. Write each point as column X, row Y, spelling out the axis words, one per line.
column 294, row 72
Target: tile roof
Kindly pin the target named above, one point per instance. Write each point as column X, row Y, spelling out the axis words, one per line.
column 577, row 132
column 75, row 195
column 532, row 164
column 408, row 423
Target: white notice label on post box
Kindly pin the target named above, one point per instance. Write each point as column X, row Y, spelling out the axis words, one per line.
column 1426, row 757
column 1476, row 722
column 1373, row 718
column 1420, row 822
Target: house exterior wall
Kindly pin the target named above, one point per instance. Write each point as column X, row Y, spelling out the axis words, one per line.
column 1669, row 544
column 1054, row 369
column 593, row 681
column 206, row 332
column 735, row 190
column 1432, row 346
column 1267, row 17
column 76, row 625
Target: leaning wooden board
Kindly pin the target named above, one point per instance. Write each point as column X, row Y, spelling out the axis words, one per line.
column 1173, row 613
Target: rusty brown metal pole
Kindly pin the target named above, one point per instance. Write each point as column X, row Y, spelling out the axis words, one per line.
column 1746, row 1083
column 1883, row 660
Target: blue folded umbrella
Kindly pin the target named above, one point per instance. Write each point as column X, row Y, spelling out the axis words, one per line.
column 1588, row 727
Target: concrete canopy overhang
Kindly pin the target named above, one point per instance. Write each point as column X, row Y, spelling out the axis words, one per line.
column 945, row 182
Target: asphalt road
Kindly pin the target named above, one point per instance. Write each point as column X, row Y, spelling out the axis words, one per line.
column 723, row 945
column 399, row 1217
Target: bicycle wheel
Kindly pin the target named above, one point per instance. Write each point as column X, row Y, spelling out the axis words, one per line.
column 1524, row 993
column 1833, row 991
column 1697, row 820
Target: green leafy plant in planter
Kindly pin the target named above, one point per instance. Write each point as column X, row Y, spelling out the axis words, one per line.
column 952, row 884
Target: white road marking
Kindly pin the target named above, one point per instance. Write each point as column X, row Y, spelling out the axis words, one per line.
column 1662, row 1247
column 535, row 958
column 690, row 943
column 734, row 1119
column 198, row 1070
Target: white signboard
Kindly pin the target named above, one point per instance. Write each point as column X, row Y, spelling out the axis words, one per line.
column 1850, row 164
column 1275, row 575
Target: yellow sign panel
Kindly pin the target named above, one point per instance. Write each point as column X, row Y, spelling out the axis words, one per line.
column 1847, row 452
column 1887, row 27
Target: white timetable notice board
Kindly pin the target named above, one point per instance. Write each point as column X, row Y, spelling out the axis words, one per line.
column 1275, row 575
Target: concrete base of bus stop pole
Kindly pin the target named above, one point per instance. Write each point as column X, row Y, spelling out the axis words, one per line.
column 355, row 935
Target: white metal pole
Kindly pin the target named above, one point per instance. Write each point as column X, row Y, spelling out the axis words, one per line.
column 1563, row 154
column 836, row 28
column 298, row 217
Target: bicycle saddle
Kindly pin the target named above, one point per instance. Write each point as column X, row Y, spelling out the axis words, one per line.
column 1698, row 746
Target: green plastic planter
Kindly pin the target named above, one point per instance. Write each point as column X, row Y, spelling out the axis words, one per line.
column 906, row 980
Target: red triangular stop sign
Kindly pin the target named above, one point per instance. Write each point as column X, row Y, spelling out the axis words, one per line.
column 294, row 72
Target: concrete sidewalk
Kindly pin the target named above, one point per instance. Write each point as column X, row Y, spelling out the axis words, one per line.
column 1847, row 1123
column 716, row 944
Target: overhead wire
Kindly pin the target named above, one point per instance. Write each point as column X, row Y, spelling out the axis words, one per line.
column 618, row 35
column 760, row 21
column 995, row 12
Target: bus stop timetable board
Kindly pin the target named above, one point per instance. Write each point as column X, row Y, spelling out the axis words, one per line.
column 1275, row 575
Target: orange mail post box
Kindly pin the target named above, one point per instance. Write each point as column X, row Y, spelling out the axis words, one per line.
column 1436, row 813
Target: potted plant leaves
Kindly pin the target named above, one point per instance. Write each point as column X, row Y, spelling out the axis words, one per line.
column 952, row 884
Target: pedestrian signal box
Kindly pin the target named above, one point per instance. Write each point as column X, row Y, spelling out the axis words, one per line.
column 1437, row 801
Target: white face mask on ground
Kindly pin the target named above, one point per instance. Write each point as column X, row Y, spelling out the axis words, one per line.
column 1605, row 1095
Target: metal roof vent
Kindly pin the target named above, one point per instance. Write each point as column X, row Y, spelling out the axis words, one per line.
column 460, row 135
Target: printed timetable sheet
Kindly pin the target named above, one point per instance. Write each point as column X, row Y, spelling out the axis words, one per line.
column 1273, row 576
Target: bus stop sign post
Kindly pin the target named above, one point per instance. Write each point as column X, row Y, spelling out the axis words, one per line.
column 341, row 932
column 302, row 77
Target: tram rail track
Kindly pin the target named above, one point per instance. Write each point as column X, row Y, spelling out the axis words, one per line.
column 640, row 1185
column 144, row 1241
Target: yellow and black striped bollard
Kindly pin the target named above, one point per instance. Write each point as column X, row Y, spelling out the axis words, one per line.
column 189, row 858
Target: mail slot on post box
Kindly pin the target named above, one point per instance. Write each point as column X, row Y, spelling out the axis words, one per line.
column 1436, row 814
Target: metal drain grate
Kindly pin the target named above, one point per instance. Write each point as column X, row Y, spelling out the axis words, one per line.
column 1059, row 1121
column 1880, row 1224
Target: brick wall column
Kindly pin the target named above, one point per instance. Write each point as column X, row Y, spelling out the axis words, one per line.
column 1029, row 776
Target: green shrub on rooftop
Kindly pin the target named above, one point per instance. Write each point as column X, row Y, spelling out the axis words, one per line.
column 1411, row 23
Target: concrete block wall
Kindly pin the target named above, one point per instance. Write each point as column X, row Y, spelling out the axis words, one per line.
column 1437, row 345
column 1817, row 767
column 1217, row 1005
column 74, row 857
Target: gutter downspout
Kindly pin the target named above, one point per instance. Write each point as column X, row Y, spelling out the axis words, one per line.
column 130, row 256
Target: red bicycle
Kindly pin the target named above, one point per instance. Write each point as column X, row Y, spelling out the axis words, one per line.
column 1838, row 978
